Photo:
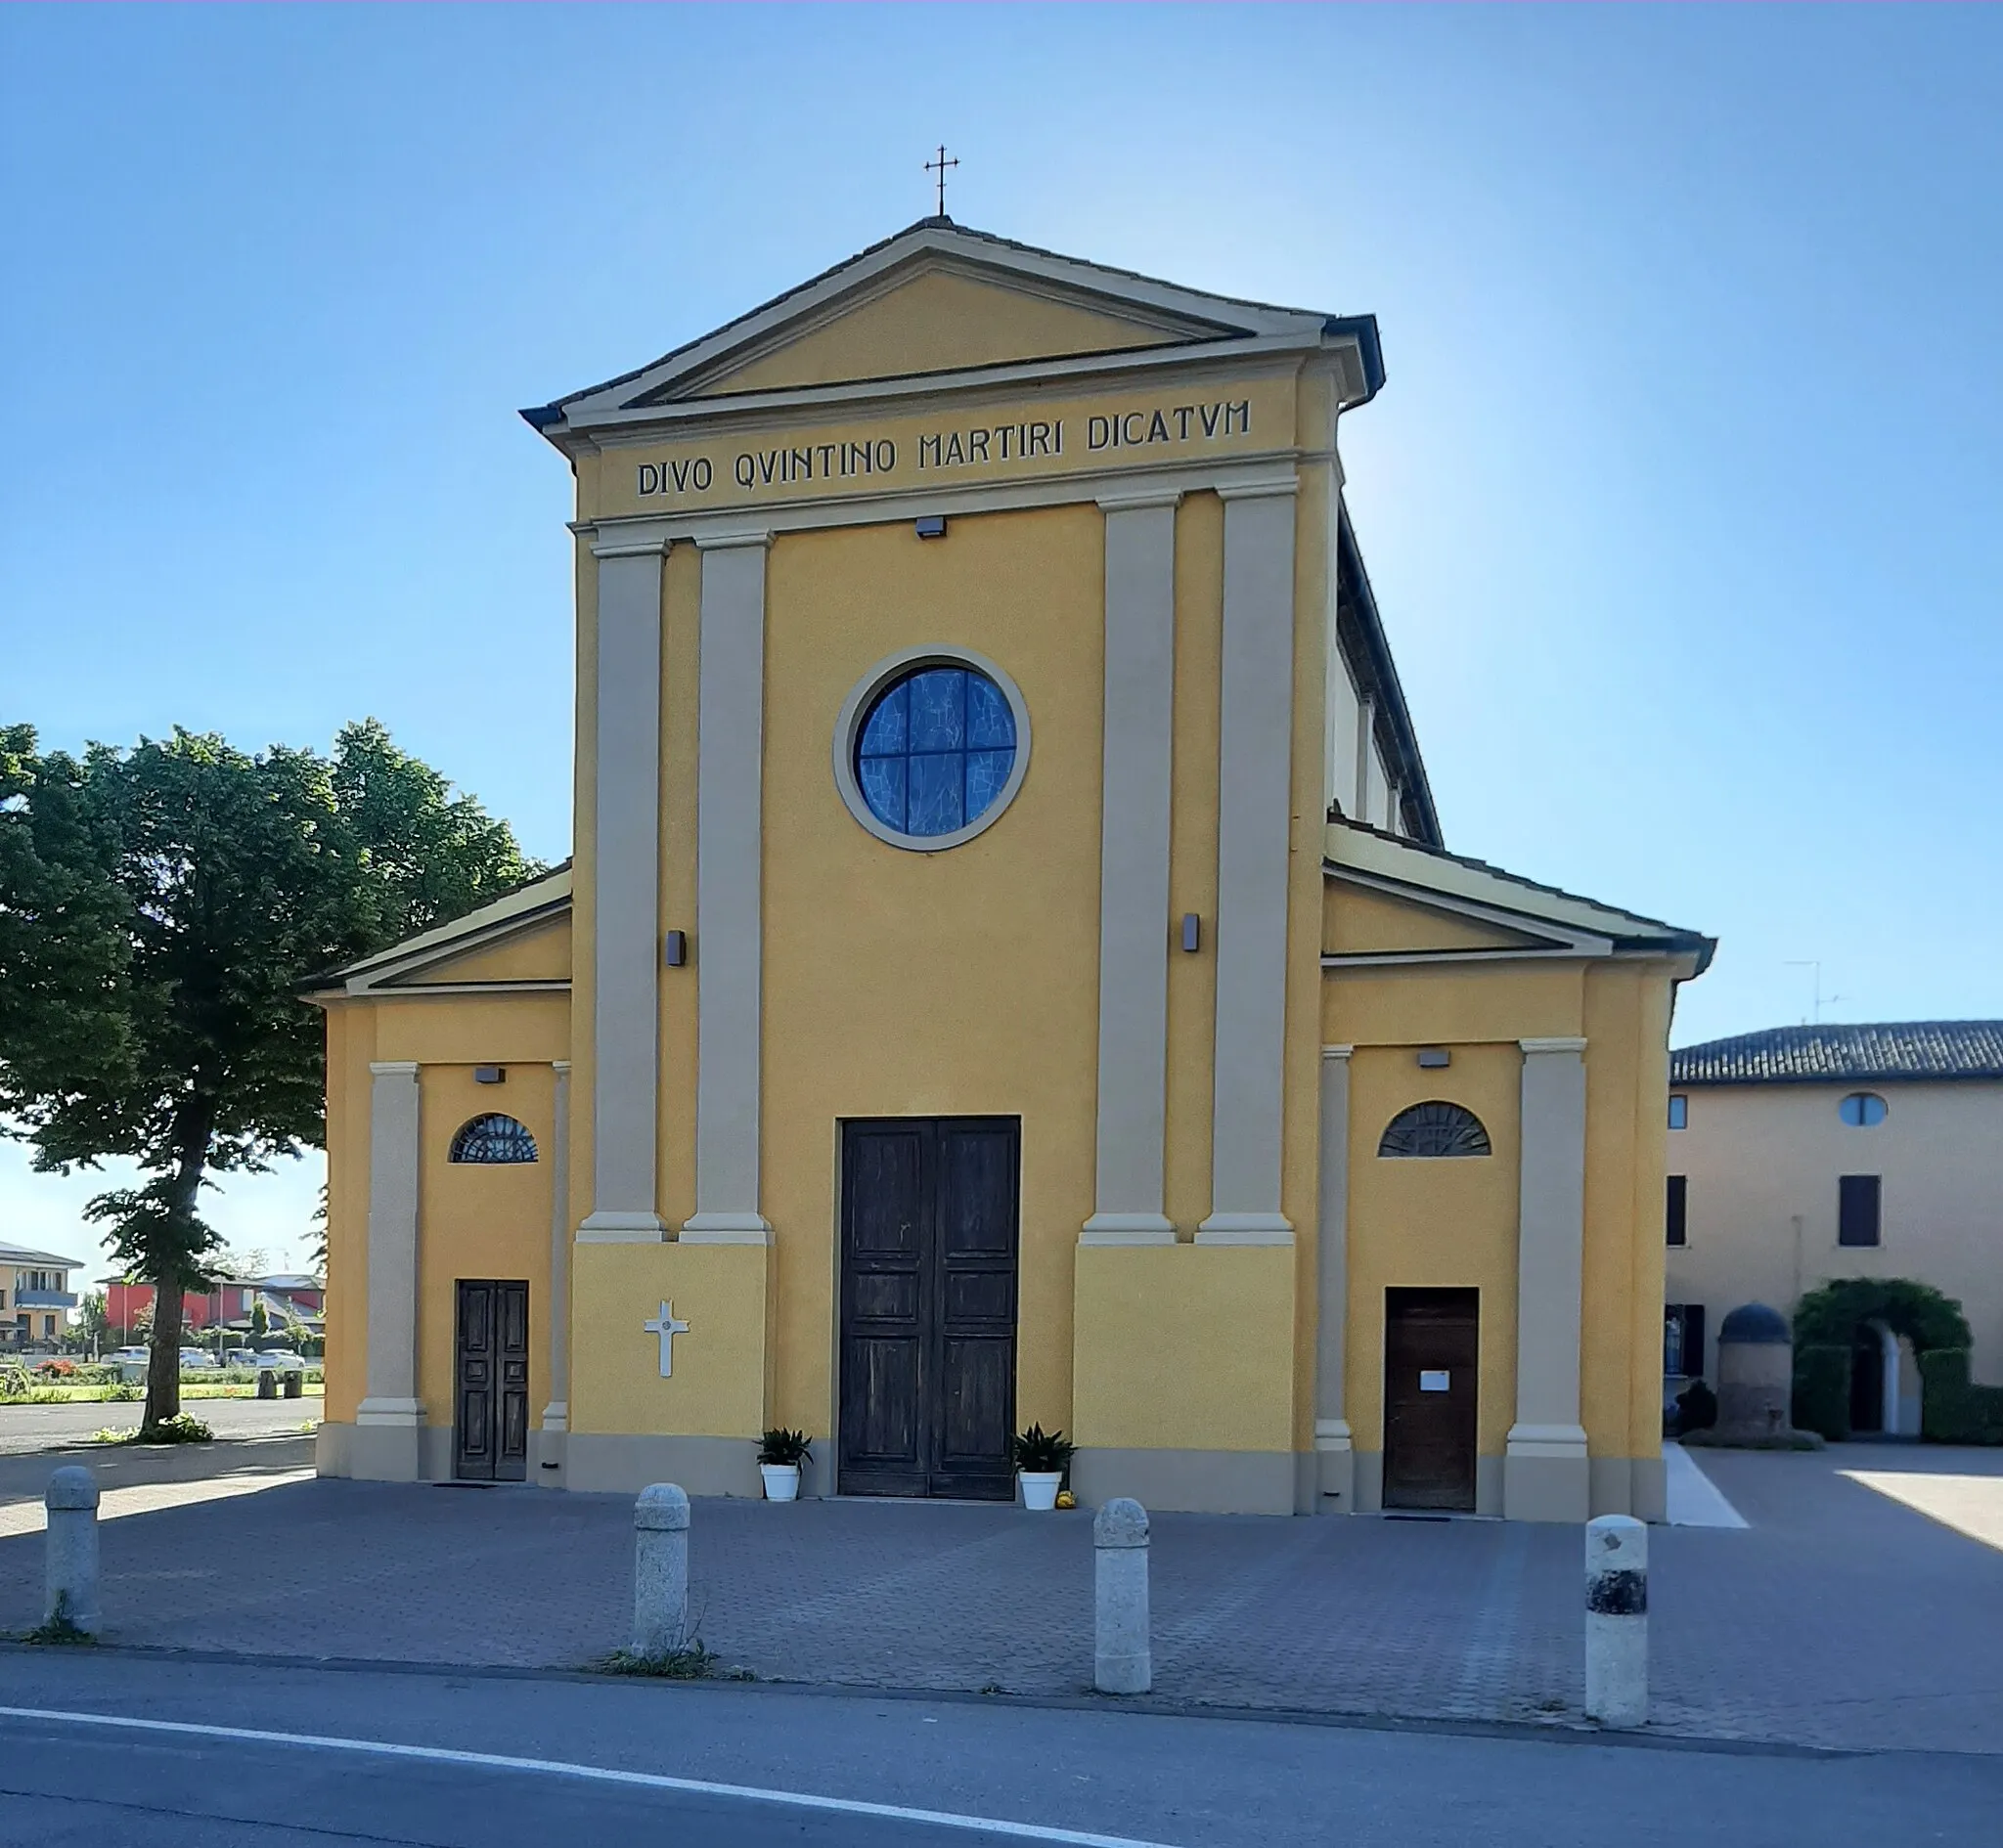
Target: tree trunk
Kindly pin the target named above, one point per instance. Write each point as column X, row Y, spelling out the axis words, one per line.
column 197, row 1130
column 164, row 1364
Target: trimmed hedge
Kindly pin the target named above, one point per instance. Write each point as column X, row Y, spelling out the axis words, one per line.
column 1953, row 1408
column 1822, row 1390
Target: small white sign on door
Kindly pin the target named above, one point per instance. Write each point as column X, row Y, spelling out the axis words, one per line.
column 1434, row 1382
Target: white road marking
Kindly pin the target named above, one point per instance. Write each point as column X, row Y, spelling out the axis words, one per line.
column 148, row 1498
column 594, row 1774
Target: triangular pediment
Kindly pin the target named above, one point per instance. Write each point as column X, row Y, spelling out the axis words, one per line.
column 1357, row 921
column 938, row 317
column 540, row 953
column 939, row 300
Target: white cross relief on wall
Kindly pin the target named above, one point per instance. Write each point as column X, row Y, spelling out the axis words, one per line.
column 667, row 1328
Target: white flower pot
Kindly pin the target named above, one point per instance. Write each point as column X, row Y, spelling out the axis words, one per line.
column 1040, row 1487
column 781, row 1481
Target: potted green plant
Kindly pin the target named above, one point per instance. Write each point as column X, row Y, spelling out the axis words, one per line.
column 1040, row 1459
column 781, row 1452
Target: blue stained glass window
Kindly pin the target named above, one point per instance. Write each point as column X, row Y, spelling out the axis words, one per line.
column 935, row 751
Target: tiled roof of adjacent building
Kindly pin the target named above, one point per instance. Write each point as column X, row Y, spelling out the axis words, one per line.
column 1881, row 1051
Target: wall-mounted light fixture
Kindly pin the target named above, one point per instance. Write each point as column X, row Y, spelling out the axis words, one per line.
column 677, row 949
column 1193, row 931
column 490, row 1074
column 1433, row 1058
column 930, row 526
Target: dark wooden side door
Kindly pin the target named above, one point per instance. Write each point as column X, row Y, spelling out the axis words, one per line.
column 928, row 1269
column 1432, row 1351
column 490, row 1382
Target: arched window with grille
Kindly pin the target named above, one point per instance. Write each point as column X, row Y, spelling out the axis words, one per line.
column 493, row 1138
column 1434, row 1128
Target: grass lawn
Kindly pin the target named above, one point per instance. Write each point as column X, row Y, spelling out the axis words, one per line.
column 104, row 1394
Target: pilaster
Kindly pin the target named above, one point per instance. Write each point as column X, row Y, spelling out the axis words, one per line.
column 1335, row 1463
column 1545, row 1473
column 1134, row 871
column 388, row 1419
column 1254, row 817
column 729, row 924
column 626, row 887
column 545, row 1445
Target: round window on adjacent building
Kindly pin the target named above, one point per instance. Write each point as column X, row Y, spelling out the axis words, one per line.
column 1861, row 1109
column 931, row 747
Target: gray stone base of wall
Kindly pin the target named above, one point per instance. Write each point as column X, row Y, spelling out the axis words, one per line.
column 1191, row 1481
column 1630, row 1486
column 545, row 1455
column 1335, row 1481
column 1547, row 1488
column 607, row 1464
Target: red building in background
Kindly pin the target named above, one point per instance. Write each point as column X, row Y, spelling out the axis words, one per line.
column 229, row 1304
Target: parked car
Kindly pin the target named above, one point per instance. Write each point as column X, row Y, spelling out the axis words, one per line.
column 239, row 1357
column 277, row 1360
column 131, row 1363
column 194, row 1359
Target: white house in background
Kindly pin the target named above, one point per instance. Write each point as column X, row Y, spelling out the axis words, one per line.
column 36, row 1297
column 1804, row 1154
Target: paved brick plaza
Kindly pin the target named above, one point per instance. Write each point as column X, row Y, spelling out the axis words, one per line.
column 1839, row 1617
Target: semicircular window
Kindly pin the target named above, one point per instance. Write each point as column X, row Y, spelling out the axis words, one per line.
column 1862, row 1110
column 493, row 1138
column 935, row 750
column 1434, row 1128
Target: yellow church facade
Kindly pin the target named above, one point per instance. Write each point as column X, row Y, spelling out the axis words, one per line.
column 1010, row 971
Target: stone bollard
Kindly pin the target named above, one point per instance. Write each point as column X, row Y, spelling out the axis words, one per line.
column 660, row 1570
column 1617, row 1621
column 1121, row 1662
column 267, row 1383
column 296, row 1386
column 72, row 1550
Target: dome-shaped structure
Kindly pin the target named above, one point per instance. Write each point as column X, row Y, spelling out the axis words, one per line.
column 1755, row 1322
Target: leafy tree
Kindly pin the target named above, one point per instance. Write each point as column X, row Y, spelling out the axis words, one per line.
column 159, row 909
column 260, row 1320
column 93, row 1325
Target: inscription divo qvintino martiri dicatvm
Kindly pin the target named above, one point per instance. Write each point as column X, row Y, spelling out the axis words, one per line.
column 873, row 458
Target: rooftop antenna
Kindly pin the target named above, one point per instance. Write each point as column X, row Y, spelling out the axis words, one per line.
column 940, row 166
column 1821, row 1000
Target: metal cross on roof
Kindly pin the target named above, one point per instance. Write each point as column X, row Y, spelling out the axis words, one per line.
column 941, row 164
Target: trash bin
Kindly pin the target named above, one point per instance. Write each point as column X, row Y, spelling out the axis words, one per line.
column 295, row 1385
column 267, row 1383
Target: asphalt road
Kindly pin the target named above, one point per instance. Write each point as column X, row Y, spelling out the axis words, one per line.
column 383, row 1757
column 26, row 1429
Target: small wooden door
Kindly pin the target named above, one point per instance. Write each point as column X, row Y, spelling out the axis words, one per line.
column 490, row 1383
column 1432, row 1351
column 928, row 1267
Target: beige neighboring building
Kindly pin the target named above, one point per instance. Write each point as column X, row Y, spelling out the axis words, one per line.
column 1804, row 1154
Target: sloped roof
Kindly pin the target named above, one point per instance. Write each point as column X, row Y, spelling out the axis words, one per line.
column 1355, row 846
column 1882, row 1052
column 21, row 1255
column 1203, row 314
column 534, row 899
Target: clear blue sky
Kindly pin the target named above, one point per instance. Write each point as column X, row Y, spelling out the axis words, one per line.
column 1681, row 502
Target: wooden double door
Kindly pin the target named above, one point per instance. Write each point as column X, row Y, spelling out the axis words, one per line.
column 1432, row 1356
column 490, row 1382
column 929, row 1242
